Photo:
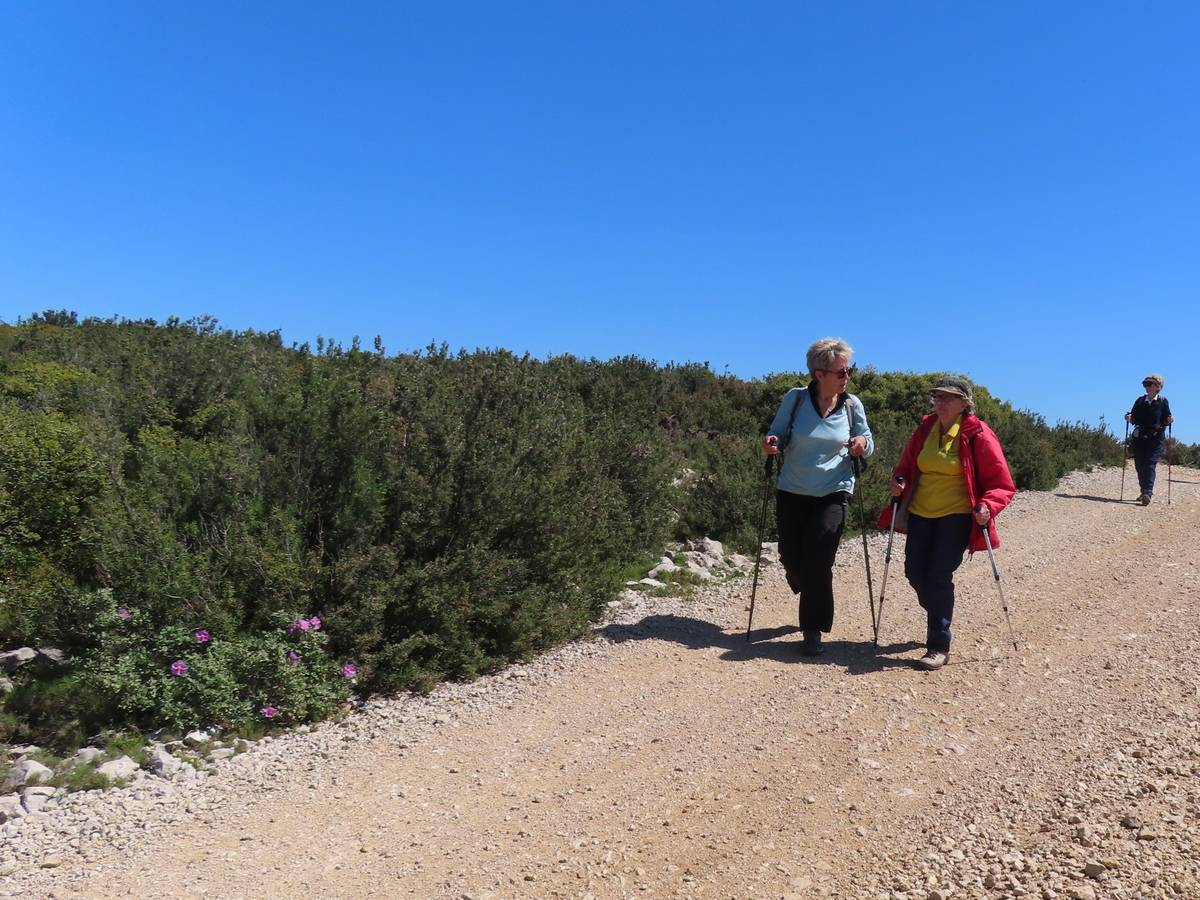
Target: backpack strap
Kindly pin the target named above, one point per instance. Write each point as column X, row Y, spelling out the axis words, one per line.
column 787, row 437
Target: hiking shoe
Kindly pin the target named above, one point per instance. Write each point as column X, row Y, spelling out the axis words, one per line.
column 1145, row 499
column 811, row 645
column 933, row 659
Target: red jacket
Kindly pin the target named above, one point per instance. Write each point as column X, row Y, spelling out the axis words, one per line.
column 984, row 469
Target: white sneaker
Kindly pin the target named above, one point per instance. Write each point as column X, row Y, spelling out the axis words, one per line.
column 933, row 659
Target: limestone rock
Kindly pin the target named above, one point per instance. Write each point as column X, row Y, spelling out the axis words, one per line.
column 197, row 738
column 35, row 798
column 27, row 771
column 118, row 769
column 10, row 808
column 13, row 659
column 163, row 763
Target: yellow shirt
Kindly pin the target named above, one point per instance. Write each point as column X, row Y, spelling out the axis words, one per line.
column 941, row 488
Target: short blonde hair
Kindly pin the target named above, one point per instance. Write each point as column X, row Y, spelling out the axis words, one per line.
column 1155, row 377
column 825, row 351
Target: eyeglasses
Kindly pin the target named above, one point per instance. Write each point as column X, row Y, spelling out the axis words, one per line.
column 840, row 373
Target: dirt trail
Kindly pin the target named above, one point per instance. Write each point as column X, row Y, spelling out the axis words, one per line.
column 683, row 761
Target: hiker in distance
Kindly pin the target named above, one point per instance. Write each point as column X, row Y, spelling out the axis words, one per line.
column 1151, row 414
column 953, row 481
column 817, row 429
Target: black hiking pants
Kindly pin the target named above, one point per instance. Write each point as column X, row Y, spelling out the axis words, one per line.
column 1146, row 454
column 809, row 531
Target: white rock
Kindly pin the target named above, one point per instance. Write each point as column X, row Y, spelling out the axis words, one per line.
column 34, row 798
column 87, row 754
column 11, row 808
column 163, row 763
column 11, row 659
column 118, row 769
column 196, row 738
column 708, row 547
column 53, row 654
column 27, row 771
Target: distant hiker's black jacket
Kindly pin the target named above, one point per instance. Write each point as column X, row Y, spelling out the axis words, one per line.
column 1150, row 417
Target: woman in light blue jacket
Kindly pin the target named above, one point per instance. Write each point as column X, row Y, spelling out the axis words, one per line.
column 817, row 429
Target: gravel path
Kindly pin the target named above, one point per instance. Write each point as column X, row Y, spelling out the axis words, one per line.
column 669, row 757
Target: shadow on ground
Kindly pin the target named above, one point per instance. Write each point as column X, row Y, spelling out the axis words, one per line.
column 856, row 657
column 1097, row 499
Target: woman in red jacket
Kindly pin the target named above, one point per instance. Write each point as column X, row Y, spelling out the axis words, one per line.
column 954, row 481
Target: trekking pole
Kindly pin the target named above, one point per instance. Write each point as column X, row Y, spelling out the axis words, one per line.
column 768, row 470
column 987, row 539
column 887, row 560
column 856, row 464
column 1170, row 441
column 1125, row 461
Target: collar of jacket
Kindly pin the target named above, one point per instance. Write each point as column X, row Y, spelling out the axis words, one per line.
column 971, row 425
column 812, row 396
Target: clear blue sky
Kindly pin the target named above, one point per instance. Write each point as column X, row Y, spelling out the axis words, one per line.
column 1010, row 190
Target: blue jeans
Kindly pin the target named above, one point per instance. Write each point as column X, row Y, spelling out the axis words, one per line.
column 1146, row 454
column 933, row 551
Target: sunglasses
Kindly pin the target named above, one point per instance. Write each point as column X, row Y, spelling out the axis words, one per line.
column 840, row 373
column 1149, row 383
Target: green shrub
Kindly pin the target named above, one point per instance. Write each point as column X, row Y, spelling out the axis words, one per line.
column 81, row 777
column 444, row 514
column 131, row 744
column 167, row 678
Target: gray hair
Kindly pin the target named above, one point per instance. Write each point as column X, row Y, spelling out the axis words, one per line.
column 825, row 351
column 1155, row 377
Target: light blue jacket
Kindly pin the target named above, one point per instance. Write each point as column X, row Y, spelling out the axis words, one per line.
column 815, row 461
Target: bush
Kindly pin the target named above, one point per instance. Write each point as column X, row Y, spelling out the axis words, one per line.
column 442, row 513
column 168, row 678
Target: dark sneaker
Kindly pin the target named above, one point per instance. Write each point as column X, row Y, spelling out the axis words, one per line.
column 933, row 659
column 811, row 645
column 1145, row 498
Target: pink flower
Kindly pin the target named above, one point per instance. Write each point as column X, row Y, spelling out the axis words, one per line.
column 315, row 622
column 269, row 712
column 124, row 613
column 201, row 636
column 299, row 625
column 179, row 667
column 293, row 657
column 349, row 670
